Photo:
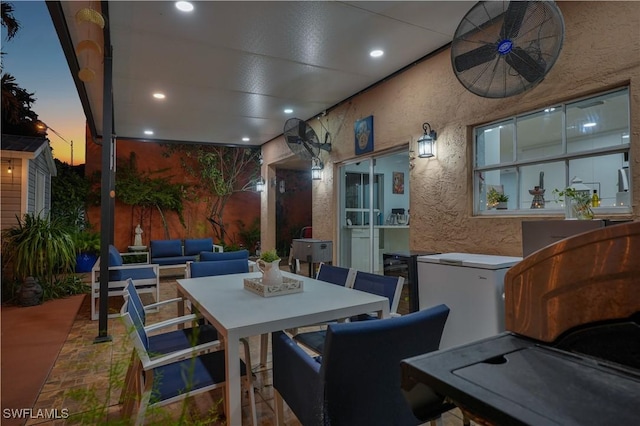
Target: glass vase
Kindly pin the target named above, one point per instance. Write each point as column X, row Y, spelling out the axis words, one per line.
column 576, row 209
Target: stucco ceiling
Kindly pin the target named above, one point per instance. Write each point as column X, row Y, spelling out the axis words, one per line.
column 229, row 69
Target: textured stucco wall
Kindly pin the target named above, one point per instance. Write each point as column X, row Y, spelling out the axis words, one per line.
column 601, row 51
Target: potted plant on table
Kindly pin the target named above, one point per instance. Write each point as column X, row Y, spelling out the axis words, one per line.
column 497, row 199
column 269, row 265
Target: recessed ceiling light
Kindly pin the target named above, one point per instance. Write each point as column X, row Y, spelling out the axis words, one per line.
column 245, row 139
column 148, row 132
column 288, row 111
column 589, row 124
column 376, row 53
column 184, row 6
column 159, row 95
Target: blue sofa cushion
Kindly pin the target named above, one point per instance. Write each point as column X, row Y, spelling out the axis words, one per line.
column 227, row 255
column 115, row 259
column 193, row 246
column 173, row 260
column 133, row 273
column 166, row 248
column 209, row 268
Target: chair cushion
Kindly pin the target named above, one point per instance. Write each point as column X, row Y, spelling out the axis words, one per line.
column 133, row 273
column 193, row 246
column 166, row 248
column 206, row 370
column 115, row 259
column 173, row 260
column 181, row 339
column 312, row 339
column 227, row 255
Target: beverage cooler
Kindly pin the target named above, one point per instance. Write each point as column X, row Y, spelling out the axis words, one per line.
column 472, row 286
column 312, row 251
column 404, row 264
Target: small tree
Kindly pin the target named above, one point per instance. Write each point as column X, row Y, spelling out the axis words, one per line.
column 221, row 171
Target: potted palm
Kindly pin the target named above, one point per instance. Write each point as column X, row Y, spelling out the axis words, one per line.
column 87, row 245
column 38, row 248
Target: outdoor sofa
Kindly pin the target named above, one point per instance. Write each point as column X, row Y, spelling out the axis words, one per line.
column 172, row 253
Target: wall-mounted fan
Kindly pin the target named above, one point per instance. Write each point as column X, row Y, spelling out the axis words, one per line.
column 302, row 139
column 502, row 48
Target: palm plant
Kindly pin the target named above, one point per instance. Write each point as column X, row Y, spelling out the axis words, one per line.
column 39, row 247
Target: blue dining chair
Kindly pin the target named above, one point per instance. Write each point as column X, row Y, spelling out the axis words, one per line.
column 173, row 376
column 337, row 275
column 381, row 285
column 163, row 343
column 209, row 268
column 357, row 379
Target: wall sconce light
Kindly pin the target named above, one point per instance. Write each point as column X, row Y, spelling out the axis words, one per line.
column 316, row 168
column 427, row 142
column 260, row 184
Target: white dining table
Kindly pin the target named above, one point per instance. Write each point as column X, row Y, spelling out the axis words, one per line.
column 238, row 313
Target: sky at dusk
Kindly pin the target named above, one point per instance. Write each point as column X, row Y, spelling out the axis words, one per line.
column 34, row 57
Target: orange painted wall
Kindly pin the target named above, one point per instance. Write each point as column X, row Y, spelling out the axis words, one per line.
column 243, row 206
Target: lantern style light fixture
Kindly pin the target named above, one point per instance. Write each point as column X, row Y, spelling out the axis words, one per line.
column 316, row 168
column 427, row 142
column 260, row 184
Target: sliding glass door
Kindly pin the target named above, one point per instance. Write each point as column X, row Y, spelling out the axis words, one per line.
column 374, row 203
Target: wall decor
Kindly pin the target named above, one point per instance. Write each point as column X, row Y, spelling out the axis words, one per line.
column 398, row 183
column 364, row 135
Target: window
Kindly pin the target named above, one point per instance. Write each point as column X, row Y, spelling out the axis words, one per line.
column 524, row 158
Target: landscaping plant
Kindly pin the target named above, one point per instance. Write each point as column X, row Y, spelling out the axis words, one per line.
column 39, row 247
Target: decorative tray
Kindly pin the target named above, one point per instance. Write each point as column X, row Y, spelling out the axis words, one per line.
column 288, row 286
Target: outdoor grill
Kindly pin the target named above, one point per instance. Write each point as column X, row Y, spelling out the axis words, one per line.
column 572, row 346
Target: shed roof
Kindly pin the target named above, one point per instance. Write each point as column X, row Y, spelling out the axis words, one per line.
column 28, row 147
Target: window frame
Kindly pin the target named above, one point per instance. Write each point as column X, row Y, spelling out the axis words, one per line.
column 565, row 156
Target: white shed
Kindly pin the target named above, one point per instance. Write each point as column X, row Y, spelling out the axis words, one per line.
column 26, row 170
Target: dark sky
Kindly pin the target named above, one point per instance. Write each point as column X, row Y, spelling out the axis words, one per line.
column 34, row 57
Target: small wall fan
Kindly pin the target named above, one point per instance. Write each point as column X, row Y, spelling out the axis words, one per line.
column 503, row 48
column 302, row 139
